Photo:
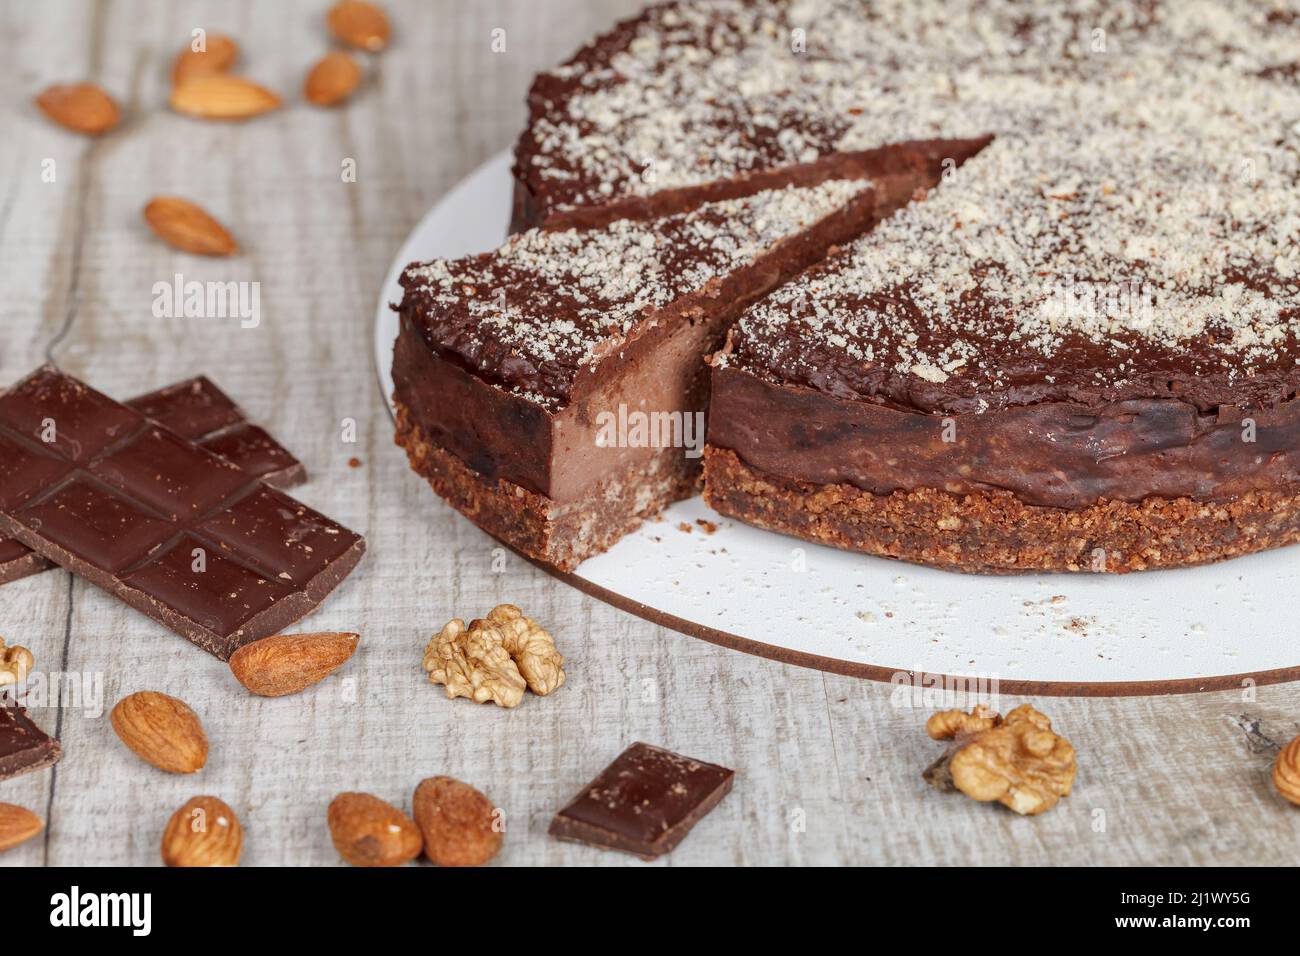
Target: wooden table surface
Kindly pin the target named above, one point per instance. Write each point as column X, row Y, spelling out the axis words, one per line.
column 828, row 768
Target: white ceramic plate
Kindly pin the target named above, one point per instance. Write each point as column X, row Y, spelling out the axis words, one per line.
column 1157, row 632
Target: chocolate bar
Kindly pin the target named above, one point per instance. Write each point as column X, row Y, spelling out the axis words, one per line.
column 195, row 409
column 172, row 529
column 645, row 802
column 23, row 745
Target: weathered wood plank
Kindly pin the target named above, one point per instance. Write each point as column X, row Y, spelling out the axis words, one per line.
column 828, row 769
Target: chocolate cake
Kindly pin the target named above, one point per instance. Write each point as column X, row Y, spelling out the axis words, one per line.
column 1076, row 350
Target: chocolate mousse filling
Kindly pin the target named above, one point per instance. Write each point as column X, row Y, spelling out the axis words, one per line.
column 1057, row 454
column 1058, row 486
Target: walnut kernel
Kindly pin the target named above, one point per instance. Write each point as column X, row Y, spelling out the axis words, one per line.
column 949, row 723
column 1016, row 760
column 471, row 662
column 15, row 662
column 529, row 646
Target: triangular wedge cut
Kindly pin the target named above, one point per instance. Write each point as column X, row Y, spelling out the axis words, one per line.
column 554, row 391
column 697, row 102
column 894, row 168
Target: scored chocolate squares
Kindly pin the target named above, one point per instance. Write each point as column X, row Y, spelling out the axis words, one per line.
column 195, row 409
column 172, row 529
column 645, row 802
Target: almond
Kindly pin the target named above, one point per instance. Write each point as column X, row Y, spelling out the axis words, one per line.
column 359, row 24
column 222, row 96
column 162, row 731
column 1286, row 771
column 204, row 832
column 369, row 832
column 83, row 107
column 219, row 55
column 459, row 823
column 17, row 824
column 186, row 226
column 288, row 663
column 332, row 80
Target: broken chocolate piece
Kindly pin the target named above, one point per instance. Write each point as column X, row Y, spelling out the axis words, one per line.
column 645, row 802
column 195, row 409
column 180, row 534
column 23, row 745
column 19, row 561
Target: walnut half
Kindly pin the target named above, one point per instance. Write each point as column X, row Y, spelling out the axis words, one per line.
column 1016, row 760
column 15, row 662
column 495, row 658
column 471, row 663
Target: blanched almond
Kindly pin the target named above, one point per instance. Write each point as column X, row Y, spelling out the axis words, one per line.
column 222, row 96
column 186, row 226
column 82, row 107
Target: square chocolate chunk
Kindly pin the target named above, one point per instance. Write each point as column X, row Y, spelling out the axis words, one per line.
column 56, row 413
column 192, row 408
column 24, row 472
column 23, row 745
column 107, row 531
column 645, row 802
column 253, row 450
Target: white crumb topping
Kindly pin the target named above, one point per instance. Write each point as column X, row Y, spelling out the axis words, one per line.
column 1143, row 185
column 564, row 299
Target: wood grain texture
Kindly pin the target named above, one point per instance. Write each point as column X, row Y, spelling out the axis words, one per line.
column 828, row 768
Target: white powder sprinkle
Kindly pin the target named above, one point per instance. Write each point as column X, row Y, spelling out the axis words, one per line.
column 561, row 300
column 1143, row 185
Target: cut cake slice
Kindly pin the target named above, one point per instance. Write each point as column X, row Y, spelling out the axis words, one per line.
column 554, row 391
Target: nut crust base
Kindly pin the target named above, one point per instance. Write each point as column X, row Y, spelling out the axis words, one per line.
column 561, row 535
column 994, row 532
